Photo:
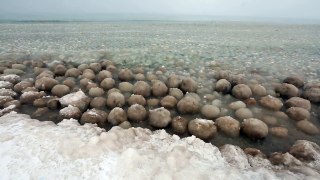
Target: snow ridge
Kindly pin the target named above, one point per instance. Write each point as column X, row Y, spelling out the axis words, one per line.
column 31, row 149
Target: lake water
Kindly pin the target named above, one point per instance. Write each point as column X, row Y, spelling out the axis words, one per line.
column 264, row 52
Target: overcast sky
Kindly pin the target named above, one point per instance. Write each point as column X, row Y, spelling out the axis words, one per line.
column 301, row 9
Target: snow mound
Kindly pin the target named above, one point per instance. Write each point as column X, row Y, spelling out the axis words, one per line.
column 31, row 149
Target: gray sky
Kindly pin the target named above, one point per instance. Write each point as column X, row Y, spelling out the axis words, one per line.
column 231, row 8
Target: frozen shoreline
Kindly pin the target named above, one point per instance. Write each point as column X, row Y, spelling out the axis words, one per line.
column 43, row 150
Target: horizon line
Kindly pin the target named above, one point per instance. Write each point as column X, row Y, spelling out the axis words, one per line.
column 114, row 17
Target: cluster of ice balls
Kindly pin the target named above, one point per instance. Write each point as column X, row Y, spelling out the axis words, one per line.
column 101, row 93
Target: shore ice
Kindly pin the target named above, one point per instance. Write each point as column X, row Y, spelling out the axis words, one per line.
column 30, row 149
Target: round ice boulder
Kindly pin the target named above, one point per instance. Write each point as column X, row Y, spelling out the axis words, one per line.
column 241, row 91
column 298, row 102
column 117, row 116
column 287, row 90
column 137, row 113
column 179, row 125
column 210, row 111
column 254, row 128
column 60, row 90
column 159, row 88
column 115, row 99
column 271, row 102
column 159, row 117
column 188, row 85
column 45, row 83
column 228, row 126
column 223, row 86
column 142, row 88
column 168, row 102
column 188, row 104
column 297, row 113
column 125, row 75
column 94, row 116
column 202, row 128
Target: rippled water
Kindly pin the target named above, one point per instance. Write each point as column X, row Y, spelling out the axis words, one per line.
column 277, row 49
column 273, row 51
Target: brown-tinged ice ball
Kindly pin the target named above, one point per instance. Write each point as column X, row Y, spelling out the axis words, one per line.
column 107, row 83
column 168, row 102
column 179, row 125
column 117, row 116
column 115, row 99
column 188, row 85
column 45, row 83
column 228, row 125
column 142, row 88
column 241, row 91
column 159, row 118
column 254, row 128
column 125, row 75
column 137, row 113
column 159, row 88
column 137, row 99
column 188, row 104
column 202, row 128
column 210, row 111
column 94, row 116
column 60, row 90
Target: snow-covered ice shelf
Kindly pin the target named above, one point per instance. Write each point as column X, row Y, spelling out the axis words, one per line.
column 30, row 149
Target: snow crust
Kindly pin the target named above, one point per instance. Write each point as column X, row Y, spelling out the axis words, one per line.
column 7, row 92
column 71, row 98
column 69, row 110
column 12, row 78
column 5, row 84
column 30, row 149
column 203, row 121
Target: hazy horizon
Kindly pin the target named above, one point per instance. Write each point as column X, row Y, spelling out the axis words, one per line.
column 295, row 10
